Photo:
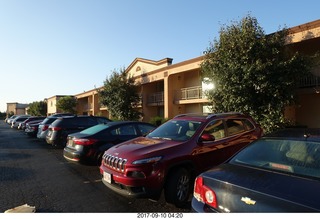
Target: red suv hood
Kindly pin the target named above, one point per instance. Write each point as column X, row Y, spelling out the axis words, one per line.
column 140, row 147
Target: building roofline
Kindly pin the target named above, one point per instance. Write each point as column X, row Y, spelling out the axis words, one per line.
column 189, row 61
column 162, row 61
column 59, row 96
column 304, row 27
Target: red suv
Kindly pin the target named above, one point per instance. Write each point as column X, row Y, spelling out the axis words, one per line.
column 171, row 156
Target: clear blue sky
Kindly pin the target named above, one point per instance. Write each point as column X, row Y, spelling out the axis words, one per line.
column 65, row 47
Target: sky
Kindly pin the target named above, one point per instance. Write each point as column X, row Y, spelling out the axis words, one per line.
column 66, row 47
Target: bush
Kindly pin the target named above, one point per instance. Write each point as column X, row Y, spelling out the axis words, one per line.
column 158, row 120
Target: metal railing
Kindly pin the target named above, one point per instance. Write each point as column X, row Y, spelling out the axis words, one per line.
column 310, row 81
column 157, row 97
column 189, row 93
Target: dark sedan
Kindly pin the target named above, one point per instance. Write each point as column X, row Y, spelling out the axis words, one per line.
column 89, row 145
column 277, row 173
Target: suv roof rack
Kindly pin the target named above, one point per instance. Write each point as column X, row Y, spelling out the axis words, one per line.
column 208, row 115
column 188, row 114
column 222, row 114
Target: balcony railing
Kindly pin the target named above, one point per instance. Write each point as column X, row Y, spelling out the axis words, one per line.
column 189, row 93
column 310, row 81
column 155, row 98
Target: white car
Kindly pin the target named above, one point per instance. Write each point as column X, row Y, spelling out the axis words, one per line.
column 15, row 122
column 9, row 120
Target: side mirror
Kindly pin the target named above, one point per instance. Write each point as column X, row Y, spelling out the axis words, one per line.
column 207, row 137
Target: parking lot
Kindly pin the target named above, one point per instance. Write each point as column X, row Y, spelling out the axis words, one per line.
column 34, row 173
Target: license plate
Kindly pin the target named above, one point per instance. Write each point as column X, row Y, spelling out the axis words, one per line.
column 49, row 133
column 107, row 177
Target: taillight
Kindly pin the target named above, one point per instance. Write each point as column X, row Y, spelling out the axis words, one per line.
column 55, row 128
column 84, row 141
column 45, row 127
column 204, row 194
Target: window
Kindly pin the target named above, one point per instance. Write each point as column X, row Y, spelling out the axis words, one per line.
column 216, row 128
column 283, row 155
column 144, row 129
column 124, row 130
column 248, row 124
column 235, row 126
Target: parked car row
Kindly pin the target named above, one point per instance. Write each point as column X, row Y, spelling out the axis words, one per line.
column 85, row 138
column 15, row 120
column 30, row 120
column 220, row 162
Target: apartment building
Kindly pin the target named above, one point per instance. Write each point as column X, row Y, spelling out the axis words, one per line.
column 17, row 109
column 169, row 89
column 166, row 90
column 51, row 104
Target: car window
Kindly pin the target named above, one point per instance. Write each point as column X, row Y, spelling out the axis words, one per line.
column 144, row 128
column 124, row 130
column 235, row 126
column 291, row 156
column 48, row 120
column 215, row 128
column 248, row 124
column 178, row 130
column 85, row 121
column 102, row 120
column 91, row 121
column 94, row 129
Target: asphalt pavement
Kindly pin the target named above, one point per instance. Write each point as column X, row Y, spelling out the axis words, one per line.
column 35, row 173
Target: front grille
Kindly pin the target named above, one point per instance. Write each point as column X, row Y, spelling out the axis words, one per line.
column 113, row 162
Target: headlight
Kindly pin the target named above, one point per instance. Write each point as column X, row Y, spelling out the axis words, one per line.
column 148, row 160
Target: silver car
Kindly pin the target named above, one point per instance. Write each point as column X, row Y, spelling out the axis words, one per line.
column 44, row 125
column 16, row 121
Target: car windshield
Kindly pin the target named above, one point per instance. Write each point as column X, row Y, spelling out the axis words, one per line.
column 176, row 130
column 297, row 157
column 94, row 129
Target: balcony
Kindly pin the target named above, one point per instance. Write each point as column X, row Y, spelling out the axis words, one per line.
column 190, row 95
column 156, row 99
column 309, row 81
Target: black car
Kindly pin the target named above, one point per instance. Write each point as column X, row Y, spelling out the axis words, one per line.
column 278, row 173
column 90, row 144
column 59, row 130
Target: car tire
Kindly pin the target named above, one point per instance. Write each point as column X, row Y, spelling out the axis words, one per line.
column 177, row 187
column 98, row 158
column 100, row 152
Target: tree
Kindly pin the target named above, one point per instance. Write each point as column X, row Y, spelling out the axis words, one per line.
column 37, row 108
column 120, row 95
column 253, row 73
column 67, row 104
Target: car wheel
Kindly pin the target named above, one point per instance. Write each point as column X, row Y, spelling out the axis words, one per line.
column 98, row 159
column 100, row 152
column 177, row 188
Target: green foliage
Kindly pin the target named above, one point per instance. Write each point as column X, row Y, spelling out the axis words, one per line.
column 67, row 104
column 11, row 113
column 253, row 72
column 3, row 115
column 157, row 120
column 37, row 108
column 120, row 95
